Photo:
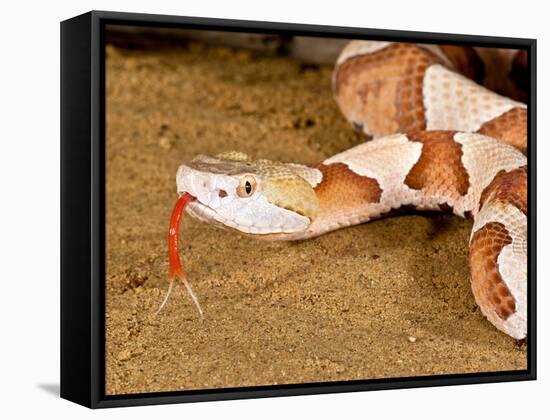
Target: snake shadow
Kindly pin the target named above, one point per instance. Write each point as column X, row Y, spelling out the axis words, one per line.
column 432, row 248
column 441, row 270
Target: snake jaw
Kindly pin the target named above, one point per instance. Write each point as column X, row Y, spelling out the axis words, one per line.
column 248, row 221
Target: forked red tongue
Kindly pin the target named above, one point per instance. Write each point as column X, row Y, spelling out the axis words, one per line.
column 176, row 269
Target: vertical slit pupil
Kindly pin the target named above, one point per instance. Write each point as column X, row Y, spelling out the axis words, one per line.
column 248, row 187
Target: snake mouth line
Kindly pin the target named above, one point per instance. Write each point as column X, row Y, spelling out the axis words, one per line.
column 209, row 215
column 204, row 213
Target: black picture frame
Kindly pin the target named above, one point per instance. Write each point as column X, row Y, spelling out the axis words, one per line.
column 83, row 209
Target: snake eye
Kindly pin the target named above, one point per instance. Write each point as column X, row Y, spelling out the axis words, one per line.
column 247, row 186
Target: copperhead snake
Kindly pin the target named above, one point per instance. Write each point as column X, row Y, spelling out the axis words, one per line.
column 437, row 141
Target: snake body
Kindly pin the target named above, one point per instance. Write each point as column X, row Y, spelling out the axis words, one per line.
column 439, row 142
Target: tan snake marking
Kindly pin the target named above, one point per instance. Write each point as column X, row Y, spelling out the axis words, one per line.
column 441, row 142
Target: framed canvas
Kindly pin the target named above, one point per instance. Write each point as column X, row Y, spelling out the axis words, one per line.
column 288, row 146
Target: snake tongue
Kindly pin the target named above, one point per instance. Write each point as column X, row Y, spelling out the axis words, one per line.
column 176, row 268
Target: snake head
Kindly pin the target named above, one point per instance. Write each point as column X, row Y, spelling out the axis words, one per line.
column 257, row 197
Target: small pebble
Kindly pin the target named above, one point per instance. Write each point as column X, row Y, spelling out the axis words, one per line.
column 124, row 355
column 165, row 143
column 412, row 339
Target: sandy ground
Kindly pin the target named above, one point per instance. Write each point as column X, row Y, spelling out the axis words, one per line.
column 385, row 299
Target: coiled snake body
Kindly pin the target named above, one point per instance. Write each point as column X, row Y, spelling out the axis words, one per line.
column 440, row 142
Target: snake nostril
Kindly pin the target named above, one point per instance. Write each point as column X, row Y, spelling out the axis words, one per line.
column 222, row 193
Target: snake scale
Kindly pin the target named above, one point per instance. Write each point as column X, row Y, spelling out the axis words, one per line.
column 437, row 141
